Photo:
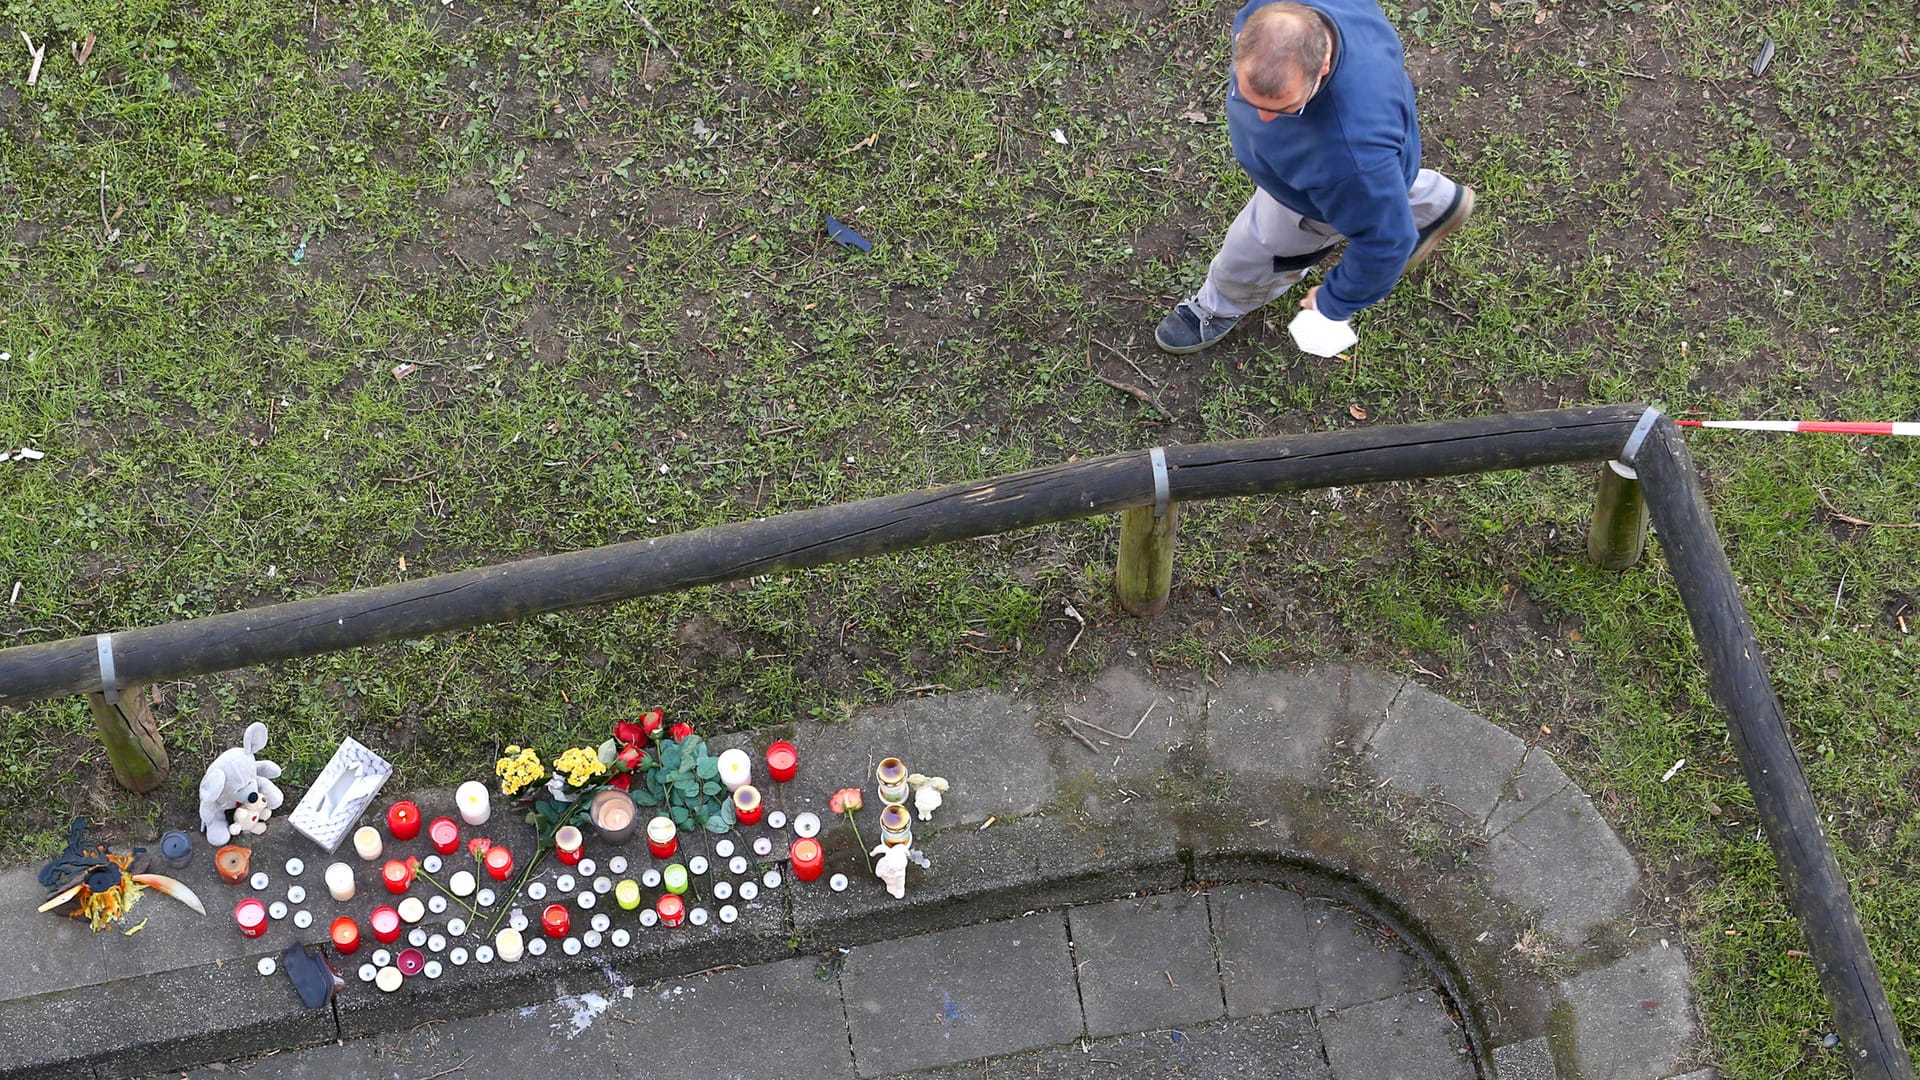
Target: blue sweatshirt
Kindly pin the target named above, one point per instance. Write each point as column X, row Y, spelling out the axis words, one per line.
column 1348, row 158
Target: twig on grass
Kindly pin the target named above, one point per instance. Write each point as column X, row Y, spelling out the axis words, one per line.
column 1863, row 522
column 1144, row 377
column 1128, row 388
column 1084, row 741
column 39, row 56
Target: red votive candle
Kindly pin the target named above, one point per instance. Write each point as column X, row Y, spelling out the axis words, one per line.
column 345, row 934
column 808, row 858
column 444, row 834
column 783, row 760
column 403, row 820
column 251, row 914
column 397, row 874
column 566, row 844
column 672, row 909
column 662, row 838
column 747, row 805
column 386, row 924
column 499, row 862
column 554, row 920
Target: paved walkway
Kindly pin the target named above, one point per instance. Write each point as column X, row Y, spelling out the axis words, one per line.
column 1489, row 882
column 1233, row 981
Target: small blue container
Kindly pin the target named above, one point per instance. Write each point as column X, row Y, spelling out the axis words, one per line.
column 177, row 848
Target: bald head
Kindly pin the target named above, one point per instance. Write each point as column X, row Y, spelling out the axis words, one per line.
column 1281, row 46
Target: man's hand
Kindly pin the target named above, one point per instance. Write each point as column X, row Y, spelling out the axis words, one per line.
column 1306, row 302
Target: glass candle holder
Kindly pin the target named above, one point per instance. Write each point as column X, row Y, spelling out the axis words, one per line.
column 663, row 839
column 444, row 834
column 397, row 875
column 613, row 815
column 566, row 844
column 672, row 909
column 251, row 915
column 808, row 858
column 499, row 862
column 403, row 820
column 747, row 805
column 554, row 921
column 783, row 761
column 345, row 934
column 386, row 924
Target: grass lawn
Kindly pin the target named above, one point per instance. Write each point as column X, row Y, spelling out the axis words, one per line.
column 298, row 297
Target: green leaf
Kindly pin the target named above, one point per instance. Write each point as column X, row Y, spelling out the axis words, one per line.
column 670, row 756
column 688, row 788
column 711, row 787
column 709, row 767
column 643, row 797
column 609, row 752
column 682, row 818
column 718, row 824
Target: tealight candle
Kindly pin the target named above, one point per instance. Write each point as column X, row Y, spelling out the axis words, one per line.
column 403, row 820
column 499, row 862
column 613, row 815
column 366, row 842
column 386, row 924
column 412, row 910
column 566, row 844
column 388, row 980
column 747, row 806
column 672, row 910
column 251, row 914
column 674, row 878
column 554, row 921
column 783, row 761
column 662, row 838
column 340, row 881
column 508, row 945
column 461, row 883
column 627, row 893
column 397, row 875
column 445, row 835
column 345, row 934
column 471, row 798
column 736, row 768
column 808, row 858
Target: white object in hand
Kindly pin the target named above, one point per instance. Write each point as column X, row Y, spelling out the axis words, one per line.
column 1319, row 335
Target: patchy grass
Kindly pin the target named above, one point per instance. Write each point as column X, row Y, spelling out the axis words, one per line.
column 305, row 298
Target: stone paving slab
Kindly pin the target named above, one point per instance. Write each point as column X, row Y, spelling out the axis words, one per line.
column 1399, row 1038
column 1285, row 1046
column 1280, row 727
column 1430, row 747
column 1354, row 963
column 1563, row 861
column 977, row 991
column 782, row 1021
column 1530, row 1060
column 1632, row 1018
column 1145, row 963
column 1265, row 949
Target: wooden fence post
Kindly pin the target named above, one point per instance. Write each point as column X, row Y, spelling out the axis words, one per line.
column 1143, row 572
column 132, row 740
column 1619, row 532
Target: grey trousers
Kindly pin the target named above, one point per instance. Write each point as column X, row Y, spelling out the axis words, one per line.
column 1243, row 276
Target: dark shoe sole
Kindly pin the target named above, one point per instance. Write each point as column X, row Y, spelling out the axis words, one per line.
column 1455, row 217
column 1183, row 350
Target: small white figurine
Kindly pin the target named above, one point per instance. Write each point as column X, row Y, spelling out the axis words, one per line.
column 249, row 818
column 926, row 793
column 892, row 868
column 238, row 779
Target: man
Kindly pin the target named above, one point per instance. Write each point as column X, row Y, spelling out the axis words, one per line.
column 1320, row 112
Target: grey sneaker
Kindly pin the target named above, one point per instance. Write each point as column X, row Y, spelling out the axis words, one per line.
column 1186, row 329
column 1430, row 237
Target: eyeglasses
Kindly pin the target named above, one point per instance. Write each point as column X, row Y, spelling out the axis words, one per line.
column 1233, row 92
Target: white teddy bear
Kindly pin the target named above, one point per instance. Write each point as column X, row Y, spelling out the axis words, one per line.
column 238, row 781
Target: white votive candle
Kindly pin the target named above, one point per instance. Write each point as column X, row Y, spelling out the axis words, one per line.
column 472, row 800
column 508, row 945
column 461, row 883
column 736, row 768
column 366, row 842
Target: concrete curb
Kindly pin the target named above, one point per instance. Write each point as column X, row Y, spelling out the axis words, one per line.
column 1476, row 849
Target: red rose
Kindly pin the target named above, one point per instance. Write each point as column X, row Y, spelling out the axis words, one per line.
column 651, row 720
column 631, row 757
column 628, row 732
column 623, row 781
column 680, row 730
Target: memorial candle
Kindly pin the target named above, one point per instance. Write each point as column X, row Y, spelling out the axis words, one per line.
column 403, row 820
column 613, row 815
column 366, row 842
column 445, row 835
column 554, row 920
column 672, row 909
column 747, row 806
column 386, row 924
column 783, row 761
column 340, row 881
column 566, row 844
column 736, row 768
column 808, row 858
column 397, row 875
column 499, row 862
column 473, row 802
column 345, row 934
column 251, row 914
column 662, row 838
